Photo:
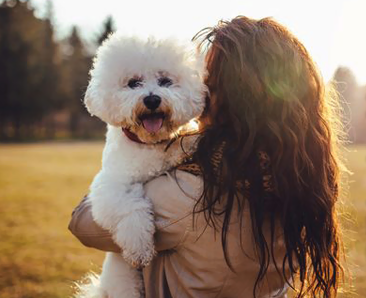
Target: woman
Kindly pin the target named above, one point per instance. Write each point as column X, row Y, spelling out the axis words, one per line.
column 254, row 212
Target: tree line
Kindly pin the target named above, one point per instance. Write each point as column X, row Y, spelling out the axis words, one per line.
column 42, row 81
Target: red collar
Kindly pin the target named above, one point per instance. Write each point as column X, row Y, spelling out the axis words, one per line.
column 133, row 137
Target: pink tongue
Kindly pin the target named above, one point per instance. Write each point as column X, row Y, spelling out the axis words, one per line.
column 153, row 124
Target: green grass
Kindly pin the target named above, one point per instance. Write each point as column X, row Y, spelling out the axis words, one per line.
column 40, row 184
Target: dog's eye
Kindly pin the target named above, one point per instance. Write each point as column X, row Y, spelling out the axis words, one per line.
column 165, row 82
column 134, row 83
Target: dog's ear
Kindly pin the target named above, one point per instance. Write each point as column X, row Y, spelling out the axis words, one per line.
column 94, row 101
column 90, row 98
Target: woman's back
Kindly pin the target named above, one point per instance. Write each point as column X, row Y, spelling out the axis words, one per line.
column 191, row 262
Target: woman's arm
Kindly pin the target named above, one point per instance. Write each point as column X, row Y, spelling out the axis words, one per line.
column 84, row 228
column 173, row 199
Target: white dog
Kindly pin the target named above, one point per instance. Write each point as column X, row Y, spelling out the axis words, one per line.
column 145, row 91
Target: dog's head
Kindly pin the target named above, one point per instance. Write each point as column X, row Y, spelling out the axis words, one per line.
column 150, row 88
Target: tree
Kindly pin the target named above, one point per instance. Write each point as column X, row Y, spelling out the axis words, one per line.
column 27, row 76
column 51, row 91
column 76, row 79
column 108, row 29
column 345, row 80
column 38, row 81
column 346, row 85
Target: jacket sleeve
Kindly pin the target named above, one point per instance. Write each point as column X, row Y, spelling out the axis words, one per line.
column 84, row 228
column 173, row 195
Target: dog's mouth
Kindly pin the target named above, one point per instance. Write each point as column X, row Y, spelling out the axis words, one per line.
column 152, row 122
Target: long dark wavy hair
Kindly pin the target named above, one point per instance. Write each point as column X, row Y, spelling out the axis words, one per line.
column 267, row 95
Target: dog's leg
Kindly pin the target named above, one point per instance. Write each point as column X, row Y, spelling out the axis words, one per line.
column 135, row 234
column 125, row 211
column 119, row 279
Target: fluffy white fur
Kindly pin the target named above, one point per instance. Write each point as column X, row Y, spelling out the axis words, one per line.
column 121, row 58
column 117, row 195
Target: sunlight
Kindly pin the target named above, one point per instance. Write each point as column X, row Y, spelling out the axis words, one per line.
column 350, row 47
column 330, row 29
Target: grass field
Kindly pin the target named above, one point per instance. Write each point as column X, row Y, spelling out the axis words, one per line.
column 354, row 220
column 40, row 184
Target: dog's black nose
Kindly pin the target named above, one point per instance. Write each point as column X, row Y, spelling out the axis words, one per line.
column 152, row 102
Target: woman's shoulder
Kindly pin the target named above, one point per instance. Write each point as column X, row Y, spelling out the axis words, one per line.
column 175, row 191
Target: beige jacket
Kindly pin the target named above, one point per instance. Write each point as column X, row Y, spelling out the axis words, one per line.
column 190, row 260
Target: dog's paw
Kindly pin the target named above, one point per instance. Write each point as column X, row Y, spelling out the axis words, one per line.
column 141, row 257
column 135, row 235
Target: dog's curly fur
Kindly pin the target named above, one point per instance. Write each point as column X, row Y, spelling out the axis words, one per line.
column 126, row 70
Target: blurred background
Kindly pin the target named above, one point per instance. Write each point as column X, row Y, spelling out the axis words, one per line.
column 50, row 148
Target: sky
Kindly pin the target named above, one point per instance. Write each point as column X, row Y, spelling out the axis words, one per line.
column 334, row 31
